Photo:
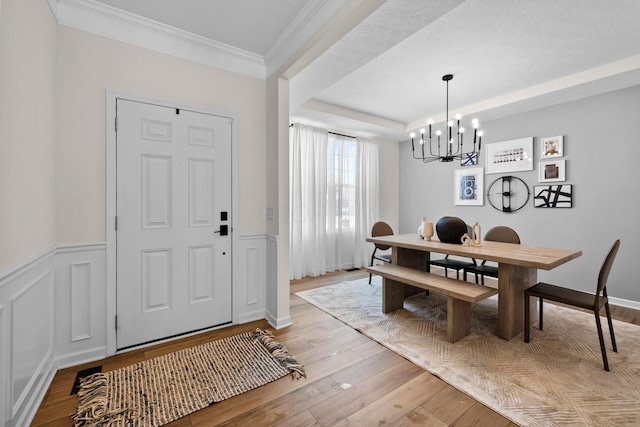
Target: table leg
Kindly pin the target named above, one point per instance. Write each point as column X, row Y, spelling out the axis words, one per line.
column 512, row 282
column 418, row 260
column 458, row 319
column 392, row 295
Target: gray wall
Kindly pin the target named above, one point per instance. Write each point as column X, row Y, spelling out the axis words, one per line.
column 602, row 151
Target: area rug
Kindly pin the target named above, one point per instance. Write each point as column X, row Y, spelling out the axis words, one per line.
column 556, row 380
column 160, row 390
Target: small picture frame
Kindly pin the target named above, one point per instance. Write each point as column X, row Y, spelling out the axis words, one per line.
column 553, row 196
column 551, row 171
column 551, row 147
column 469, row 160
column 469, row 187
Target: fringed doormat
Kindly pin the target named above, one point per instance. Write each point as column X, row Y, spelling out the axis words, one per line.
column 160, row 390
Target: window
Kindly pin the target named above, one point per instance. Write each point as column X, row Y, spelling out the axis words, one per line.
column 333, row 200
column 342, row 185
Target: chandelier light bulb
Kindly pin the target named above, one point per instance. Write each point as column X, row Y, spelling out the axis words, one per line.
column 458, row 116
column 438, row 132
column 461, row 130
column 412, row 134
column 480, row 133
column 475, row 123
column 422, row 131
column 450, row 123
column 430, row 122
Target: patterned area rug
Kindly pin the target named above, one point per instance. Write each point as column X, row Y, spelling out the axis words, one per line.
column 556, row 380
column 160, row 390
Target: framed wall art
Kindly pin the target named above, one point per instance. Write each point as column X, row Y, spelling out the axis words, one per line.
column 510, row 156
column 469, row 160
column 551, row 147
column 551, row 171
column 553, row 196
column 469, row 187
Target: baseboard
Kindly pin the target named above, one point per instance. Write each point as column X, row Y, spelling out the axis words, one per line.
column 625, row 303
column 279, row 323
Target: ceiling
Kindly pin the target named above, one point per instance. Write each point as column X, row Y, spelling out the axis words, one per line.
column 383, row 78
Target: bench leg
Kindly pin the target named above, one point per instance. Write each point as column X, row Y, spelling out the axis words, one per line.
column 392, row 295
column 458, row 319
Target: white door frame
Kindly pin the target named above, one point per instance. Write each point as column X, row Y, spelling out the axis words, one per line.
column 110, row 214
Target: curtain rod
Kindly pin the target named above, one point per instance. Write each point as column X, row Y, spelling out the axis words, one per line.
column 334, row 133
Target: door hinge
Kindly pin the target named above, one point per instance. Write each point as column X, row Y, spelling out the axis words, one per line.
column 116, row 322
column 116, row 120
column 116, row 223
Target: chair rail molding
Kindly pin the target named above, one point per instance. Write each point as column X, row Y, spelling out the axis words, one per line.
column 27, row 331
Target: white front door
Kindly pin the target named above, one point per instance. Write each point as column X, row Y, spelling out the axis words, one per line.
column 173, row 204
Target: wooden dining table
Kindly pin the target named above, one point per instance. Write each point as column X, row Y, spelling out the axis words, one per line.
column 518, row 267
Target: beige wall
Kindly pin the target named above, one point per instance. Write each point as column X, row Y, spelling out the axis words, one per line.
column 27, row 130
column 389, row 184
column 88, row 65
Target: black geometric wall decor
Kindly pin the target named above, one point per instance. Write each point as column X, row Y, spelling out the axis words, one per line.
column 553, row 196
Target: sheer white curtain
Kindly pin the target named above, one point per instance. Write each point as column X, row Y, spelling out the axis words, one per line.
column 307, row 200
column 367, row 197
column 333, row 200
column 341, row 170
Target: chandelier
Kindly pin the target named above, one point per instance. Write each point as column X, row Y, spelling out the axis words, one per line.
column 450, row 150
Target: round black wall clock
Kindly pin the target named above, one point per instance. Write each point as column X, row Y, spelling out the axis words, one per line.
column 508, row 194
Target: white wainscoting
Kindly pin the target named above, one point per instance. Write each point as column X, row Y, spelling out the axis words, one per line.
column 273, row 314
column 53, row 314
column 250, row 279
column 27, row 309
column 80, row 304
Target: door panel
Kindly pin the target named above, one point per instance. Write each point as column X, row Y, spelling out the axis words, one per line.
column 174, row 180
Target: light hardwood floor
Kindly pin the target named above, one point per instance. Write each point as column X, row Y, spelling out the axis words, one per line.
column 351, row 380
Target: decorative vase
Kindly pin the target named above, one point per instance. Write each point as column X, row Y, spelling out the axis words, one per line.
column 427, row 230
column 477, row 236
column 421, row 227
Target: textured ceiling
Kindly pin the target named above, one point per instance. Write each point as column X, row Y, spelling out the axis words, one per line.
column 384, row 77
column 506, row 57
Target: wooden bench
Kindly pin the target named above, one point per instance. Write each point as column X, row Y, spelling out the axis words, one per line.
column 459, row 294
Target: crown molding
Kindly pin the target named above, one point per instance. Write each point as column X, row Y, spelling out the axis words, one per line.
column 106, row 21
column 309, row 21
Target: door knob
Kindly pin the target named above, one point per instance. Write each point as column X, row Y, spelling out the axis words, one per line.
column 224, row 230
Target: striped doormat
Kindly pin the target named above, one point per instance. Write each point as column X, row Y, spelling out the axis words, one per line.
column 160, row 390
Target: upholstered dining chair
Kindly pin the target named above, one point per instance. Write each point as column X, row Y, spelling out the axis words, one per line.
column 500, row 233
column 585, row 300
column 380, row 228
column 450, row 229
